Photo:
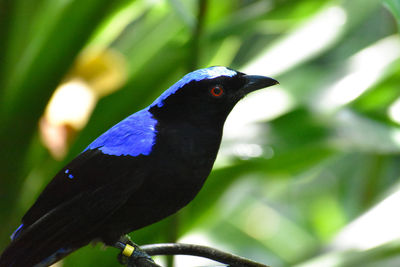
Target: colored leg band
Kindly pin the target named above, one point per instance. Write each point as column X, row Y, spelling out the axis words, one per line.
column 128, row 250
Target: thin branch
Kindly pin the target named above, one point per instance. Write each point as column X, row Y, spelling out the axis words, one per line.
column 197, row 33
column 142, row 262
column 136, row 257
column 201, row 251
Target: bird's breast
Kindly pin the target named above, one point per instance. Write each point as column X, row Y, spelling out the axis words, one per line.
column 187, row 148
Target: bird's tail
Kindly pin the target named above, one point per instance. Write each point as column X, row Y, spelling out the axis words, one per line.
column 24, row 254
column 61, row 231
column 42, row 244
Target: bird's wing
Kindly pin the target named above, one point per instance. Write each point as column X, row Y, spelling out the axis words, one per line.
column 91, row 171
column 66, row 227
column 70, row 211
column 111, row 158
column 84, row 194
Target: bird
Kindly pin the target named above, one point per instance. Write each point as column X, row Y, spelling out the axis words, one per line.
column 143, row 169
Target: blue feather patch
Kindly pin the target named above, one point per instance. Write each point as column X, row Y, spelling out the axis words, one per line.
column 133, row 136
column 70, row 175
column 136, row 134
column 16, row 232
column 197, row 75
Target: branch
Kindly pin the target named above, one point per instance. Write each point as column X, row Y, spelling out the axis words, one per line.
column 142, row 262
column 201, row 251
column 197, row 33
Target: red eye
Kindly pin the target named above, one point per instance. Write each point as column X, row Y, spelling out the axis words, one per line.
column 216, row 91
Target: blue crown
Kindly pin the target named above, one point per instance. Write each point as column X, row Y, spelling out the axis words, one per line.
column 197, row 75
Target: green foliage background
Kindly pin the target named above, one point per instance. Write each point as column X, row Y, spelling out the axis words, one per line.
column 283, row 209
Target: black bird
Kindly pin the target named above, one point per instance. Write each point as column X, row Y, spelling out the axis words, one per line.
column 143, row 169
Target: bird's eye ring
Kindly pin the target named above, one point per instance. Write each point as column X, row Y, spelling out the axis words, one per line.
column 216, row 91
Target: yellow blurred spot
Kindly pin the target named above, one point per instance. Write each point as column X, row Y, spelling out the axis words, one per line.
column 72, row 103
column 103, row 70
column 96, row 73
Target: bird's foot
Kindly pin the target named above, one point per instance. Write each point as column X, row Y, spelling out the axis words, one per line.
column 131, row 255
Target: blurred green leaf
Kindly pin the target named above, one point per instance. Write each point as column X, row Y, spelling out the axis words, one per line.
column 316, row 168
column 394, row 7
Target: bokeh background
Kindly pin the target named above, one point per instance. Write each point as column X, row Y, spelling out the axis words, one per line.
column 308, row 172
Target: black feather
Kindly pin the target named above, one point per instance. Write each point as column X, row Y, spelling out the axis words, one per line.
column 140, row 171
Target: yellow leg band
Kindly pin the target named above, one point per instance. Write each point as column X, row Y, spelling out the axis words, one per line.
column 128, row 250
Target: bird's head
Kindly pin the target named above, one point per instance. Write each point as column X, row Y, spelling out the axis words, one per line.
column 208, row 93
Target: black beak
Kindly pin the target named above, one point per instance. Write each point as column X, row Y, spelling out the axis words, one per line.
column 255, row 82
